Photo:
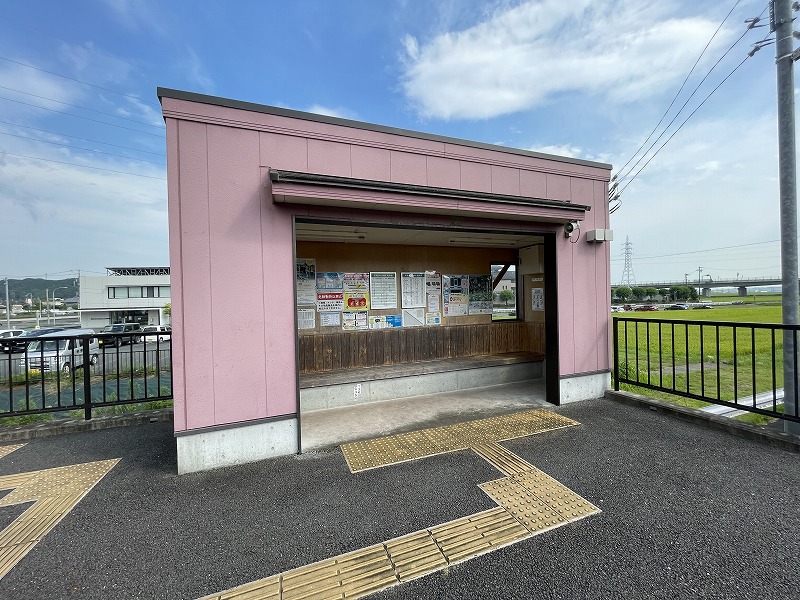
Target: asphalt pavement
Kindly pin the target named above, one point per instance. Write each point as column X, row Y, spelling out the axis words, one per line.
column 687, row 512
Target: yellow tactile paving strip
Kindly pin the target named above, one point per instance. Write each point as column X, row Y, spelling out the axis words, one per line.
column 54, row 492
column 529, row 501
column 6, row 450
column 389, row 450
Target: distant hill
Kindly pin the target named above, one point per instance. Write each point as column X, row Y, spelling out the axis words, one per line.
column 18, row 289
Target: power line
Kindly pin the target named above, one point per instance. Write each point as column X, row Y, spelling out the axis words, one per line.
column 60, row 162
column 61, row 112
column 100, row 112
column 635, row 175
column 99, row 87
column 55, row 37
column 709, row 249
column 80, row 138
column 23, row 137
column 678, row 93
column 621, row 175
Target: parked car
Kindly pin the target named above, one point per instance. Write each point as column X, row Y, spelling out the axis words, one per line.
column 678, row 307
column 61, row 350
column 7, row 335
column 647, row 307
column 617, row 309
column 120, row 340
column 153, row 333
column 20, row 342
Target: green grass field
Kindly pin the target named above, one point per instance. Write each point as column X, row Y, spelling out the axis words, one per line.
column 693, row 356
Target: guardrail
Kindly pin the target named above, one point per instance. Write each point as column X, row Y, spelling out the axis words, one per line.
column 739, row 365
column 62, row 372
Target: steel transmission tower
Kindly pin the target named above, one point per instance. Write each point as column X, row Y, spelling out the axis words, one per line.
column 628, row 278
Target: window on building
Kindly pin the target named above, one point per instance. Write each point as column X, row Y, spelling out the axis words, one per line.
column 117, row 292
column 164, row 291
column 149, row 291
column 134, row 292
column 504, row 293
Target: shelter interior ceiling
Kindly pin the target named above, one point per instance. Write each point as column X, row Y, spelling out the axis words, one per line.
column 368, row 234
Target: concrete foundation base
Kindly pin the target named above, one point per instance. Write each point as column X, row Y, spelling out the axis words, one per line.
column 201, row 450
column 353, row 393
column 584, row 387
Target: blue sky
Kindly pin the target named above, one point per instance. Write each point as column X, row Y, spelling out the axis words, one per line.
column 82, row 165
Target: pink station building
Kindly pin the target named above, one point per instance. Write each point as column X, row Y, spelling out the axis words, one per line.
column 319, row 262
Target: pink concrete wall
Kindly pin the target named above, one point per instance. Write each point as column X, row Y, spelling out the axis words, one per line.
column 230, row 243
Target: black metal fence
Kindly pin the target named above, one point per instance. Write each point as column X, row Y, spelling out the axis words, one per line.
column 738, row 365
column 62, row 372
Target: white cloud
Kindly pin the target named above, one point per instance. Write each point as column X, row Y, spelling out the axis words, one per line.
column 339, row 112
column 623, row 51
column 715, row 186
column 196, row 72
column 559, row 150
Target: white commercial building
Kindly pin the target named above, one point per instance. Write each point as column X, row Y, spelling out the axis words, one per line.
column 125, row 295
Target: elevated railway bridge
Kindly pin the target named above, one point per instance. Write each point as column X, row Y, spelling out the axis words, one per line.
column 708, row 283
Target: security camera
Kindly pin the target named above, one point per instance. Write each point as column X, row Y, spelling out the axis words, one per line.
column 570, row 227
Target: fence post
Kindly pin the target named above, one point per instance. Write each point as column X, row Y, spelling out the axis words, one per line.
column 87, row 380
column 615, row 338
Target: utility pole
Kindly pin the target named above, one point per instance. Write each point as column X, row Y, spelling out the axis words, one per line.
column 8, row 308
column 699, row 282
column 784, row 63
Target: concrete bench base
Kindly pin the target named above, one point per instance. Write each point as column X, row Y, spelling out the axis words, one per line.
column 319, row 391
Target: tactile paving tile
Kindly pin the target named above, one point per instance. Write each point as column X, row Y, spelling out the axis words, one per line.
column 538, row 501
column 379, row 452
column 264, row 589
column 503, row 460
column 54, row 493
column 530, row 502
column 6, row 450
column 477, row 534
column 415, row 555
column 347, row 576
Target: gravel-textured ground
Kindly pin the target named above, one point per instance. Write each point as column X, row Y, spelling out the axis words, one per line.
column 687, row 512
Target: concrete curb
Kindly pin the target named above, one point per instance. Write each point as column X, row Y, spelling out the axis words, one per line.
column 738, row 428
column 60, row 427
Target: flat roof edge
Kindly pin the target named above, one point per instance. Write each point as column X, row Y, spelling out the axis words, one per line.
column 306, row 116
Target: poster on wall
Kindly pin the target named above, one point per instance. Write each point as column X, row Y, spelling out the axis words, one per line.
column 356, row 291
column 356, row 300
column 480, row 295
column 433, row 318
column 433, row 291
column 433, row 283
column 330, row 281
column 353, row 321
column 306, row 281
column 413, row 317
column 330, row 301
column 413, row 289
column 537, row 299
column 330, row 319
column 305, row 318
column 455, row 295
column 385, row 321
column 383, row 289
column 433, row 302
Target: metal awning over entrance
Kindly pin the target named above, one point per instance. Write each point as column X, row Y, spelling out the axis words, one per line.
column 293, row 187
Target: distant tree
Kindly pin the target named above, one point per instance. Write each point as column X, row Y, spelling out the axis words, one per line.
column 168, row 308
column 623, row 292
column 638, row 293
column 693, row 294
column 650, row 292
column 506, row 295
column 675, row 292
column 663, row 292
